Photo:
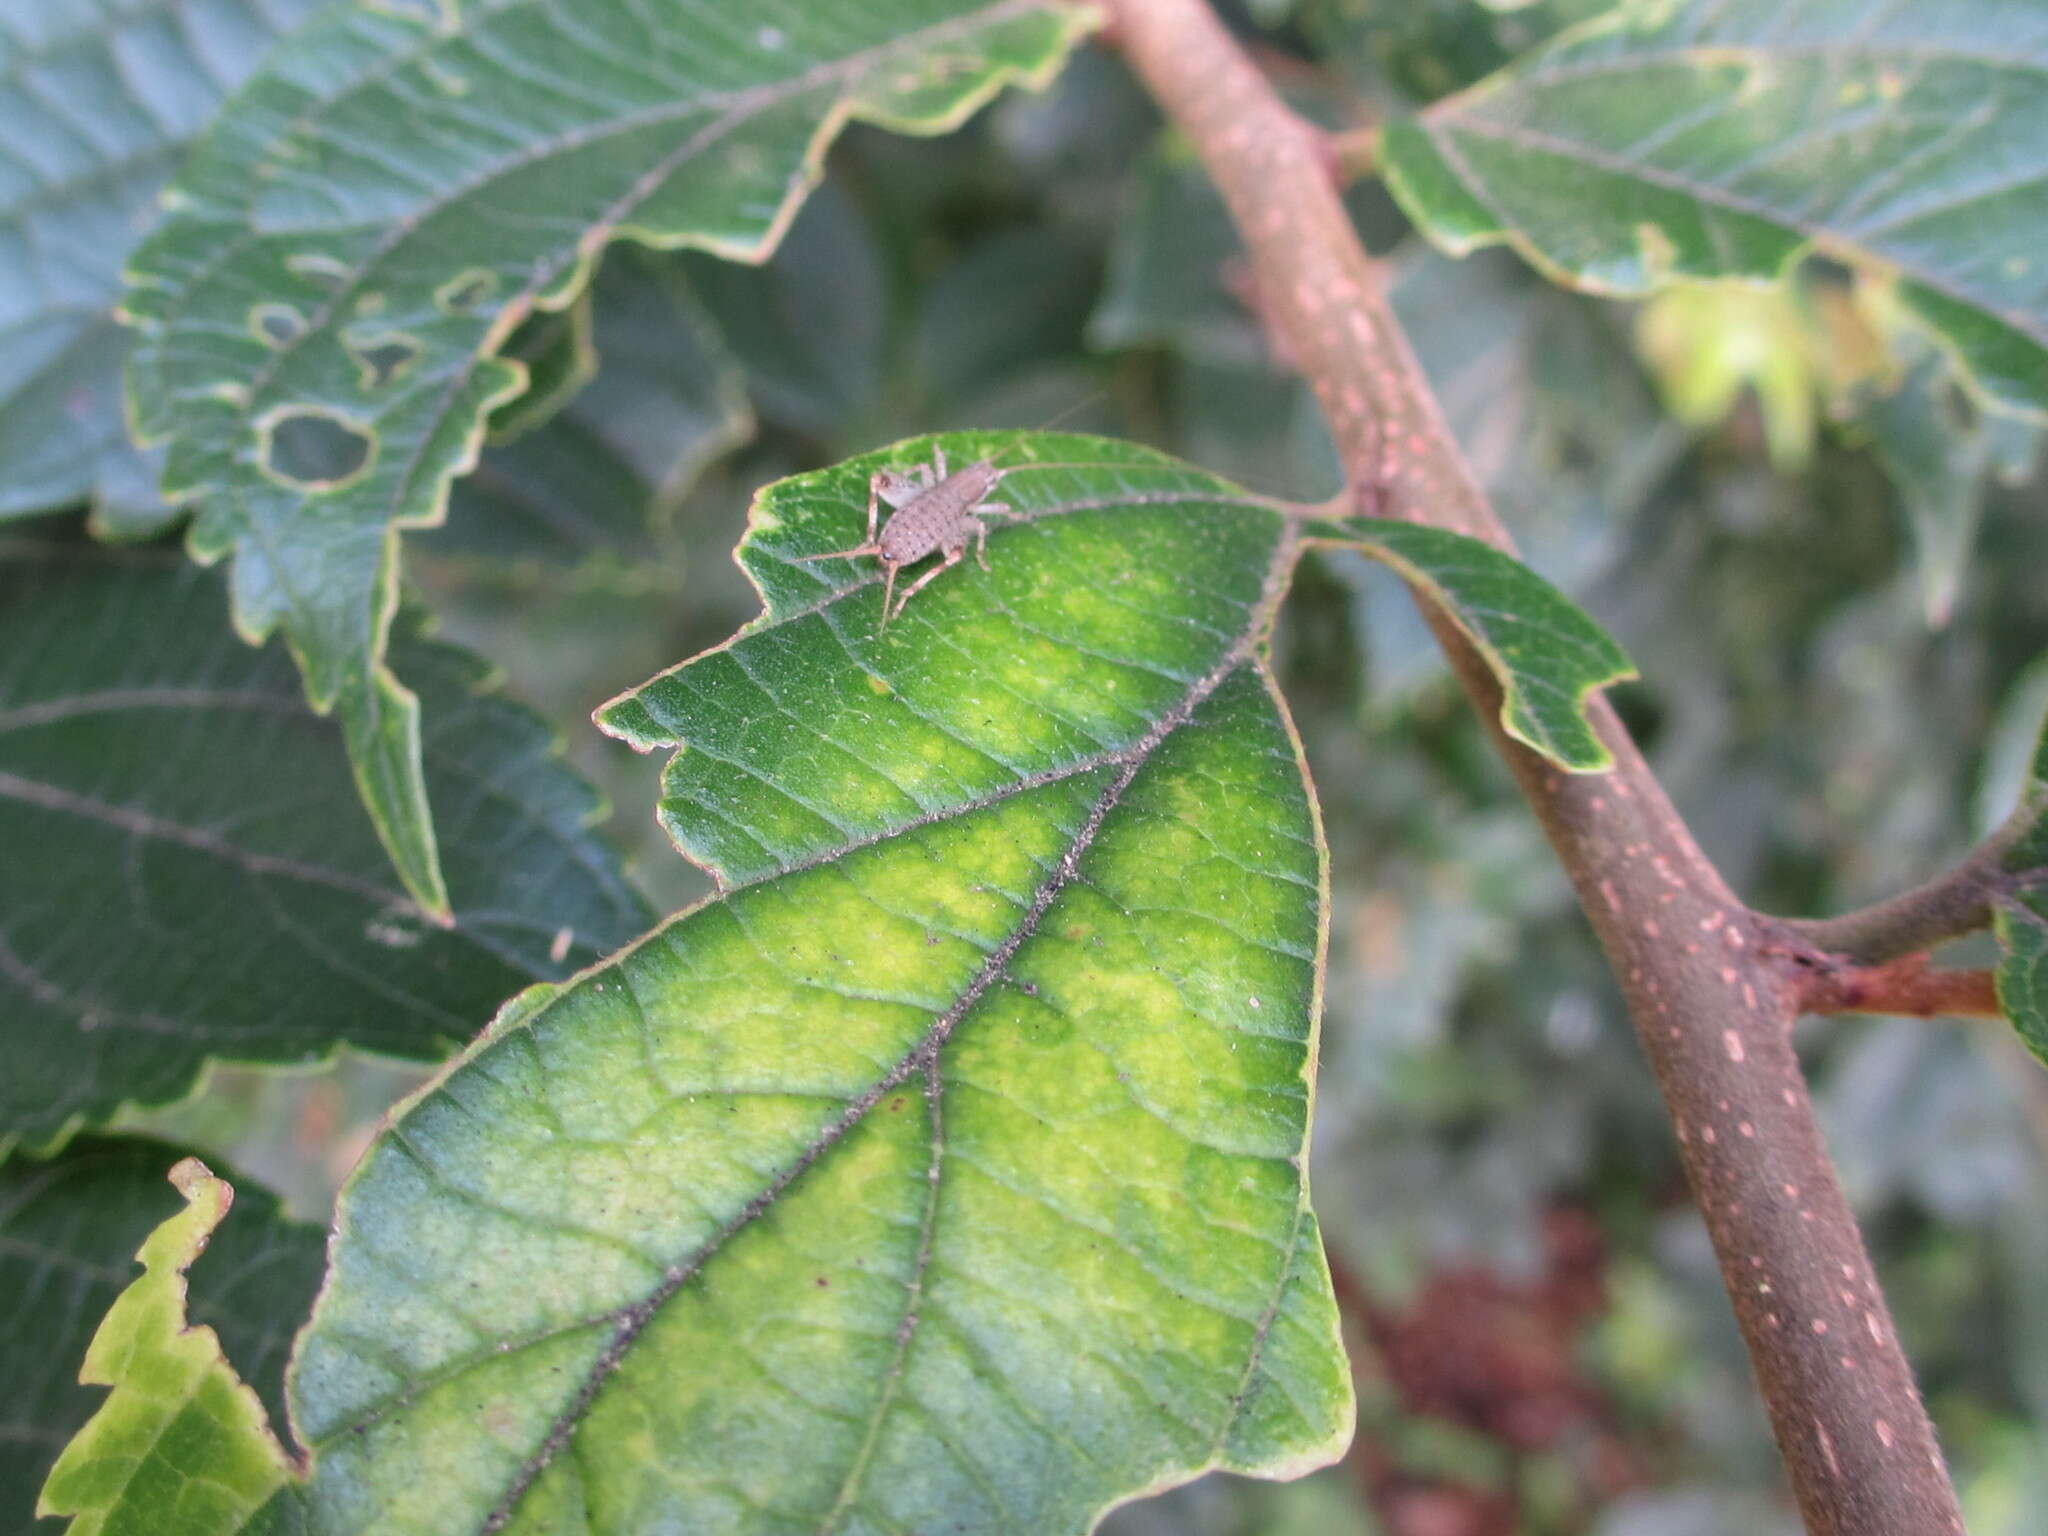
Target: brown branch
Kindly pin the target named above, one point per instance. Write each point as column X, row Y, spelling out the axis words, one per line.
column 1711, row 999
column 1908, row 985
column 1948, row 907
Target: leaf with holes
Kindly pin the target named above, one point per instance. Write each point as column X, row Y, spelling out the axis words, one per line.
column 170, row 781
column 69, row 1228
column 1703, row 139
column 2020, row 915
column 946, row 1168
column 98, row 101
column 371, row 219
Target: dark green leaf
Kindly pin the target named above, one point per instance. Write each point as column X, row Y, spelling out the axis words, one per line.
column 808, row 323
column 1704, row 139
column 69, row 1229
column 190, row 877
column 2021, row 916
column 625, row 449
column 1422, row 49
column 381, row 208
column 97, row 101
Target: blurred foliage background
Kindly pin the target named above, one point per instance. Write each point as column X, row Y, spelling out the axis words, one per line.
column 1825, row 558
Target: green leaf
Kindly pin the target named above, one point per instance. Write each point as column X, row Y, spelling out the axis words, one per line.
column 1941, row 455
column 1548, row 655
column 97, row 102
column 2020, row 917
column 627, row 445
column 377, row 212
column 182, row 1446
column 2021, row 925
column 1685, row 138
column 947, row 1168
column 189, row 876
column 69, row 1228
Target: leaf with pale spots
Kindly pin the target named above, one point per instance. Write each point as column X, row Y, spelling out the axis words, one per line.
column 1548, row 655
column 1706, row 139
column 364, row 227
column 2020, row 912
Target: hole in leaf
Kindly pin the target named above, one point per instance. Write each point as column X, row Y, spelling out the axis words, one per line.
column 463, row 292
column 276, row 325
column 314, row 450
column 381, row 358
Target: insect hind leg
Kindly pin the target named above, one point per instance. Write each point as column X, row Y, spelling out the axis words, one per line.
column 953, row 558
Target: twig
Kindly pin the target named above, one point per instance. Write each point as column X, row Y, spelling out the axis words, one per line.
column 1907, row 985
column 1711, row 1002
column 1957, row 903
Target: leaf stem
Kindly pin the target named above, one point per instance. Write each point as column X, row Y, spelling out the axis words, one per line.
column 1711, row 994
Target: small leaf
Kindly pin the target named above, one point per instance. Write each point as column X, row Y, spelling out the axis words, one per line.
column 1686, row 138
column 181, row 1447
column 946, row 1170
column 2020, row 917
column 1941, row 455
column 97, row 103
column 69, row 1228
column 2021, row 926
column 189, row 875
column 400, row 183
column 1548, row 655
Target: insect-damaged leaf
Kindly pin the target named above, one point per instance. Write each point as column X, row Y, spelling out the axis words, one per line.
column 1707, row 139
column 181, row 1446
column 188, row 875
column 69, row 1228
column 2020, row 917
column 373, row 216
column 97, row 102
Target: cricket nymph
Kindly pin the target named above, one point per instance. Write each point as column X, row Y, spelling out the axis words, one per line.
column 936, row 511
